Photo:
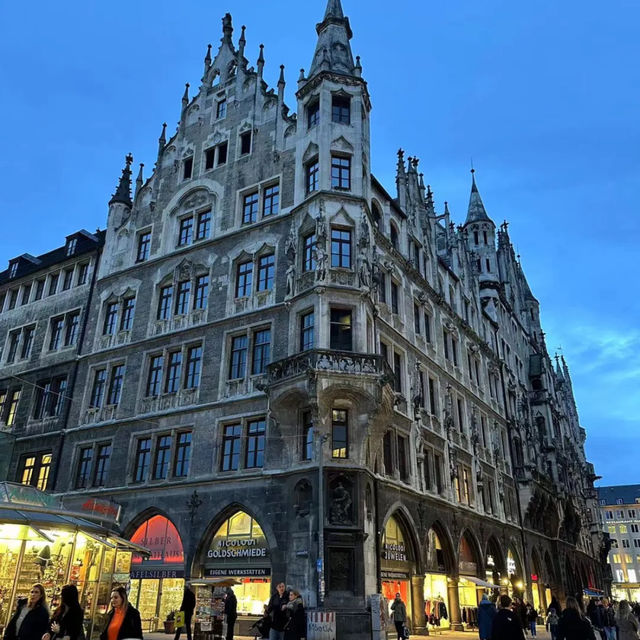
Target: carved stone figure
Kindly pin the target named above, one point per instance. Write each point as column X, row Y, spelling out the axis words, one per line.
column 291, row 280
column 321, row 259
column 340, row 510
column 364, row 269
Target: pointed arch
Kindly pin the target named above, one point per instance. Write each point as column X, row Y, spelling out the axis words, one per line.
column 497, row 556
column 469, row 554
column 401, row 515
column 438, row 536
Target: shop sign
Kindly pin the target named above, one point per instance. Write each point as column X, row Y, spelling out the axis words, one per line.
column 237, row 548
column 159, row 535
column 237, row 572
column 394, row 552
column 391, row 575
column 143, row 574
column 534, row 577
column 103, row 510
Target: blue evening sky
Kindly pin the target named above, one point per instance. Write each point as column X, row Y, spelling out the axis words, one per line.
column 544, row 96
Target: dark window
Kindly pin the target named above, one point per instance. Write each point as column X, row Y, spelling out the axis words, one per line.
column 201, row 293
column 182, row 297
column 204, row 225
column 254, row 457
column 307, row 331
column 14, row 339
column 341, row 337
column 416, row 319
column 231, row 444
column 403, row 462
column 83, row 476
column 393, row 236
column 26, row 293
column 194, row 362
column 244, row 279
column 67, row 279
column 13, row 298
column 72, row 322
column 261, row 351
column 313, row 114
column 53, row 286
column 209, row 158
column 339, row 434
column 115, row 384
column 382, row 288
column 183, row 455
column 164, row 303
column 97, row 391
column 57, row 331
column 313, row 176
column 144, row 246
column 454, row 350
column 266, row 271
column 340, row 109
column 238, row 361
column 128, row 309
column 437, row 467
column 250, row 208
column 271, row 200
column 384, row 352
column 40, row 289
column 445, row 341
column 307, row 436
column 186, row 231
column 49, row 397
column 154, row 380
column 427, row 326
column 245, row 143
column 340, row 173
column 397, row 372
column 188, row 168
column 222, row 153
column 432, row 396
column 103, row 461
column 110, row 319
column 143, row 460
column 27, row 339
column 163, row 457
column 221, row 109
column 394, row 297
column 387, row 452
column 341, row 248
column 475, row 237
column 488, row 263
column 308, row 259
column 428, row 463
column 174, row 371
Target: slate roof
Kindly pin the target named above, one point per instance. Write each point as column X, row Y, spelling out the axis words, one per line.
column 628, row 493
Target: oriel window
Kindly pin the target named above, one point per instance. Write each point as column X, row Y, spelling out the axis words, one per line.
column 341, row 109
column 339, row 434
column 340, row 173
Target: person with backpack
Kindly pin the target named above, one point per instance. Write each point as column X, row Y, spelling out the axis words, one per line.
column 551, row 623
column 486, row 614
column 506, row 624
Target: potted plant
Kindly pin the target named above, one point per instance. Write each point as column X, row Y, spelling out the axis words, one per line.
column 170, row 622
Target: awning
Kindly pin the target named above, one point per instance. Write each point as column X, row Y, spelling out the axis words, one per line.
column 214, row 582
column 594, row 593
column 479, row 582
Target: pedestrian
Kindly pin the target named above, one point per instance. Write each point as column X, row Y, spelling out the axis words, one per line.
column 486, row 614
column 506, row 624
column 263, row 625
column 296, row 627
column 627, row 622
column 551, row 623
column 521, row 611
column 277, row 612
column 67, row 619
column 554, row 605
column 230, row 611
column 399, row 615
column 609, row 616
column 31, row 619
column 188, row 606
column 532, row 619
column 123, row 620
column 573, row 625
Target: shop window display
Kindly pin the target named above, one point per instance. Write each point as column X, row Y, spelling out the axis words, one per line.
column 435, row 585
column 397, row 564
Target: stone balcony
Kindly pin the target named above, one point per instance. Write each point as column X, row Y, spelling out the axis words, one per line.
column 331, row 362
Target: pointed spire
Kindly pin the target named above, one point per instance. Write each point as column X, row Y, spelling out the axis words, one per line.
column 242, row 42
column 162, row 140
column 281, row 78
column 333, row 51
column 476, row 211
column 185, row 97
column 227, row 28
column 358, row 68
column 261, row 60
column 207, row 59
column 123, row 192
column 139, row 180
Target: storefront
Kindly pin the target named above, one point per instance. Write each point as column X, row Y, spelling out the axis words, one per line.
column 515, row 583
column 157, row 581
column 436, row 593
column 238, row 555
column 42, row 543
column 467, row 585
column 397, row 564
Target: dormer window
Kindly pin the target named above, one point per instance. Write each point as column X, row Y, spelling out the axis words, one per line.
column 341, row 109
column 72, row 245
column 13, row 269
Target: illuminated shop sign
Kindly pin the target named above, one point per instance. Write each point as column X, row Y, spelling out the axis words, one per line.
column 394, row 552
column 142, row 574
column 238, row 572
column 243, row 548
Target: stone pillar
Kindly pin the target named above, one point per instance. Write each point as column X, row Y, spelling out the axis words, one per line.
column 417, row 604
column 454, row 605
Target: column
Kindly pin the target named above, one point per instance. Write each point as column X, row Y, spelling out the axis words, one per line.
column 417, row 604
column 454, row 605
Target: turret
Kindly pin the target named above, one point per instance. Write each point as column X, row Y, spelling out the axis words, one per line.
column 333, row 51
column 120, row 204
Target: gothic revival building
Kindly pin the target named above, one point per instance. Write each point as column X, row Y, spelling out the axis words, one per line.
column 288, row 374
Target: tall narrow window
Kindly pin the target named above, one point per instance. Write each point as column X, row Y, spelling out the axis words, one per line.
column 221, row 109
column 103, row 460
column 222, row 153
column 163, row 457
column 382, row 287
column 397, row 372
column 416, row 319
column 427, row 326
column 403, row 455
column 115, row 384
column 250, row 208
column 28, row 467
column 27, row 341
column 14, row 341
column 13, row 298
column 71, row 333
column 340, row 109
column 128, row 309
column 201, row 292
column 143, row 460
column 339, row 434
column 203, row 229
column 144, row 246
column 307, row 436
column 188, row 168
column 12, row 407
column 313, row 114
column 245, row 143
column 164, row 302
column 154, row 380
column 182, row 297
column 97, row 390
column 83, row 272
column 57, row 332
column 341, row 248
column 183, row 455
column 26, row 293
column 340, row 173
column 307, row 331
column 394, row 297
column 186, row 231
column 174, row 370
column 255, row 444
column 244, row 279
column 231, row 444
column 53, row 283
column 261, row 351
column 84, row 467
column 266, row 272
column 387, row 452
column 110, row 319
column 341, row 337
column 238, row 360
column 39, row 291
column 67, row 279
column 313, row 176
column 445, row 342
column 308, row 259
column 194, row 362
column 209, row 158
column 271, row 200
column 432, row 396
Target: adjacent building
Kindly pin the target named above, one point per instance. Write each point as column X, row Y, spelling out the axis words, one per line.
column 286, row 373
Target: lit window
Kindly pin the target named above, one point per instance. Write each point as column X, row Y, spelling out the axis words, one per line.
column 339, row 433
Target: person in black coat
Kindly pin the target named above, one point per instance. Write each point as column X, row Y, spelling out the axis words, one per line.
column 230, row 611
column 277, row 612
column 67, row 619
column 296, row 627
column 31, row 619
column 573, row 625
column 123, row 621
column 506, row 624
column 188, row 606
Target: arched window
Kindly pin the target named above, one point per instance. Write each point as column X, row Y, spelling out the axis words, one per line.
column 393, row 236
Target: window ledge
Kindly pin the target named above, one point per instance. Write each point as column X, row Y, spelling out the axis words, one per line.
column 180, row 398
column 175, row 323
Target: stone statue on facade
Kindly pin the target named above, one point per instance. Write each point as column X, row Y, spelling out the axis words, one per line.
column 291, row 280
column 321, row 258
column 340, row 509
